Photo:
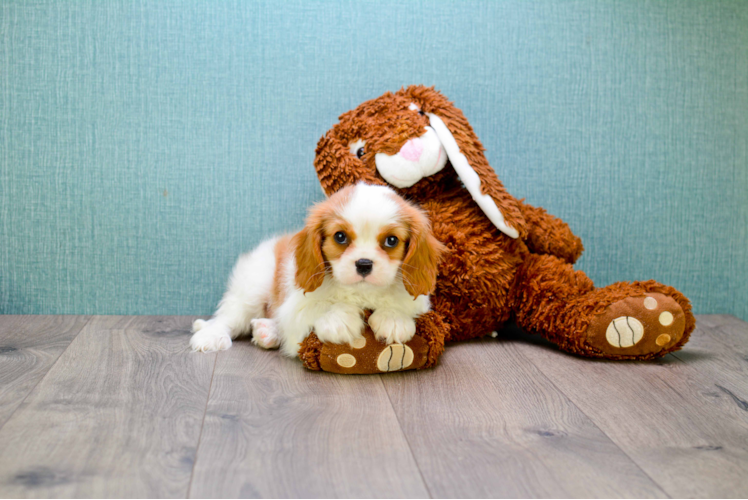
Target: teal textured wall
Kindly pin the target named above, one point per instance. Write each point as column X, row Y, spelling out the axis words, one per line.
column 146, row 144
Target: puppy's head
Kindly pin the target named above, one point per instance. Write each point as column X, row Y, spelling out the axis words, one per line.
column 366, row 235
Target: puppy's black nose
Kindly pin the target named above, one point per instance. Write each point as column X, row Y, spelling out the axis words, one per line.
column 364, row 267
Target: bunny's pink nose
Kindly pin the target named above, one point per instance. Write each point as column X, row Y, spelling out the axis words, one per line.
column 412, row 149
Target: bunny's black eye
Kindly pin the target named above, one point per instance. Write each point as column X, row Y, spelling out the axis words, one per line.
column 360, row 152
column 391, row 241
column 340, row 238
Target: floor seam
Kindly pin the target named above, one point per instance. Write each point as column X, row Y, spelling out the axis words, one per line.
column 571, row 401
column 202, row 424
column 47, row 372
column 405, row 436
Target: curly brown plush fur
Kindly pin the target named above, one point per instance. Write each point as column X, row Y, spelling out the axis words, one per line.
column 488, row 278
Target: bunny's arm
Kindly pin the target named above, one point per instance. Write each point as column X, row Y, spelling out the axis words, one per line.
column 547, row 234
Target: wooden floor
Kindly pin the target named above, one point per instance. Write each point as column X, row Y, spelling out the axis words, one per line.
column 118, row 407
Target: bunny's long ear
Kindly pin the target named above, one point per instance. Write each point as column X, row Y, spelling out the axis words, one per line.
column 466, row 156
column 485, row 189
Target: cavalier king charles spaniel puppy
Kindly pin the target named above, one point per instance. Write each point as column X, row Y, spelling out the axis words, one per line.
column 363, row 248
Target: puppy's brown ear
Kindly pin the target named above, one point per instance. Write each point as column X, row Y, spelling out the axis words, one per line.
column 467, row 152
column 310, row 264
column 420, row 265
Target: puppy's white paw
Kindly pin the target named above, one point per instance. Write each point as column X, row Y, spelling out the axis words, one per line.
column 392, row 327
column 265, row 333
column 209, row 337
column 341, row 325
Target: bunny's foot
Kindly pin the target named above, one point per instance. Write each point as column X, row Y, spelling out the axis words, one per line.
column 640, row 327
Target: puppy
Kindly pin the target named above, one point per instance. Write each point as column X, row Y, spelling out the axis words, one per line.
column 363, row 248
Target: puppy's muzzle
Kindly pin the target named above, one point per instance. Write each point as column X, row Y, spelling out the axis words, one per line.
column 364, row 267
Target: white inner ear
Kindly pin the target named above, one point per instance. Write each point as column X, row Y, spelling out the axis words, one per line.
column 469, row 177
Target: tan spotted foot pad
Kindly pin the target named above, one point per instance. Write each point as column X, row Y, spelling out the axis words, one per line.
column 368, row 355
column 638, row 326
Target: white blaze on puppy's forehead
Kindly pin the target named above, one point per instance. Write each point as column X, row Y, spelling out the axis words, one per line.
column 370, row 208
column 413, row 107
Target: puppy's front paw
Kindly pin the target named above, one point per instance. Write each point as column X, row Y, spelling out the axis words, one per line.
column 209, row 337
column 265, row 333
column 392, row 327
column 341, row 325
column 198, row 325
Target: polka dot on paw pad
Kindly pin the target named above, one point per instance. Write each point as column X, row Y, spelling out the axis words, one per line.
column 650, row 303
column 666, row 318
column 346, row 360
column 359, row 343
column 662, row 339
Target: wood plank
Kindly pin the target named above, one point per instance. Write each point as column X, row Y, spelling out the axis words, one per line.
column 486, row 423
column 119, row 415
column 29, row 346
column 688, row 435
column 717, row 320
column 719, row 349
column 275, row 429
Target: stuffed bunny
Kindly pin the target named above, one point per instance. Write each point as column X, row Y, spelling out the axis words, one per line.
column 505, row 260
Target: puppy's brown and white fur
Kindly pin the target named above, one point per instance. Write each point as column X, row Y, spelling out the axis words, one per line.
column 363, row 248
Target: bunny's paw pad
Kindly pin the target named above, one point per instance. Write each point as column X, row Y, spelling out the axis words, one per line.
column 638, row 326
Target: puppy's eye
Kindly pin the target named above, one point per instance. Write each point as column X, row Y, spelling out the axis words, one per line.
column 360, row 152
column 340, row 237
column 391, row 241
column 421, row 112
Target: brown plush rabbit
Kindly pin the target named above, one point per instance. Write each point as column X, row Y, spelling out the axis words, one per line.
column 505, row 260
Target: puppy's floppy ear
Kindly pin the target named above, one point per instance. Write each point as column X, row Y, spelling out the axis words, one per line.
column 421, row 261
column 310, row 264
column 466, row 155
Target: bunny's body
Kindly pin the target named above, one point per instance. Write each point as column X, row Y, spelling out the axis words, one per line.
column 505, row 260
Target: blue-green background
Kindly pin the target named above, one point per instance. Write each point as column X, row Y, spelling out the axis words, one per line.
column 144, row 145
